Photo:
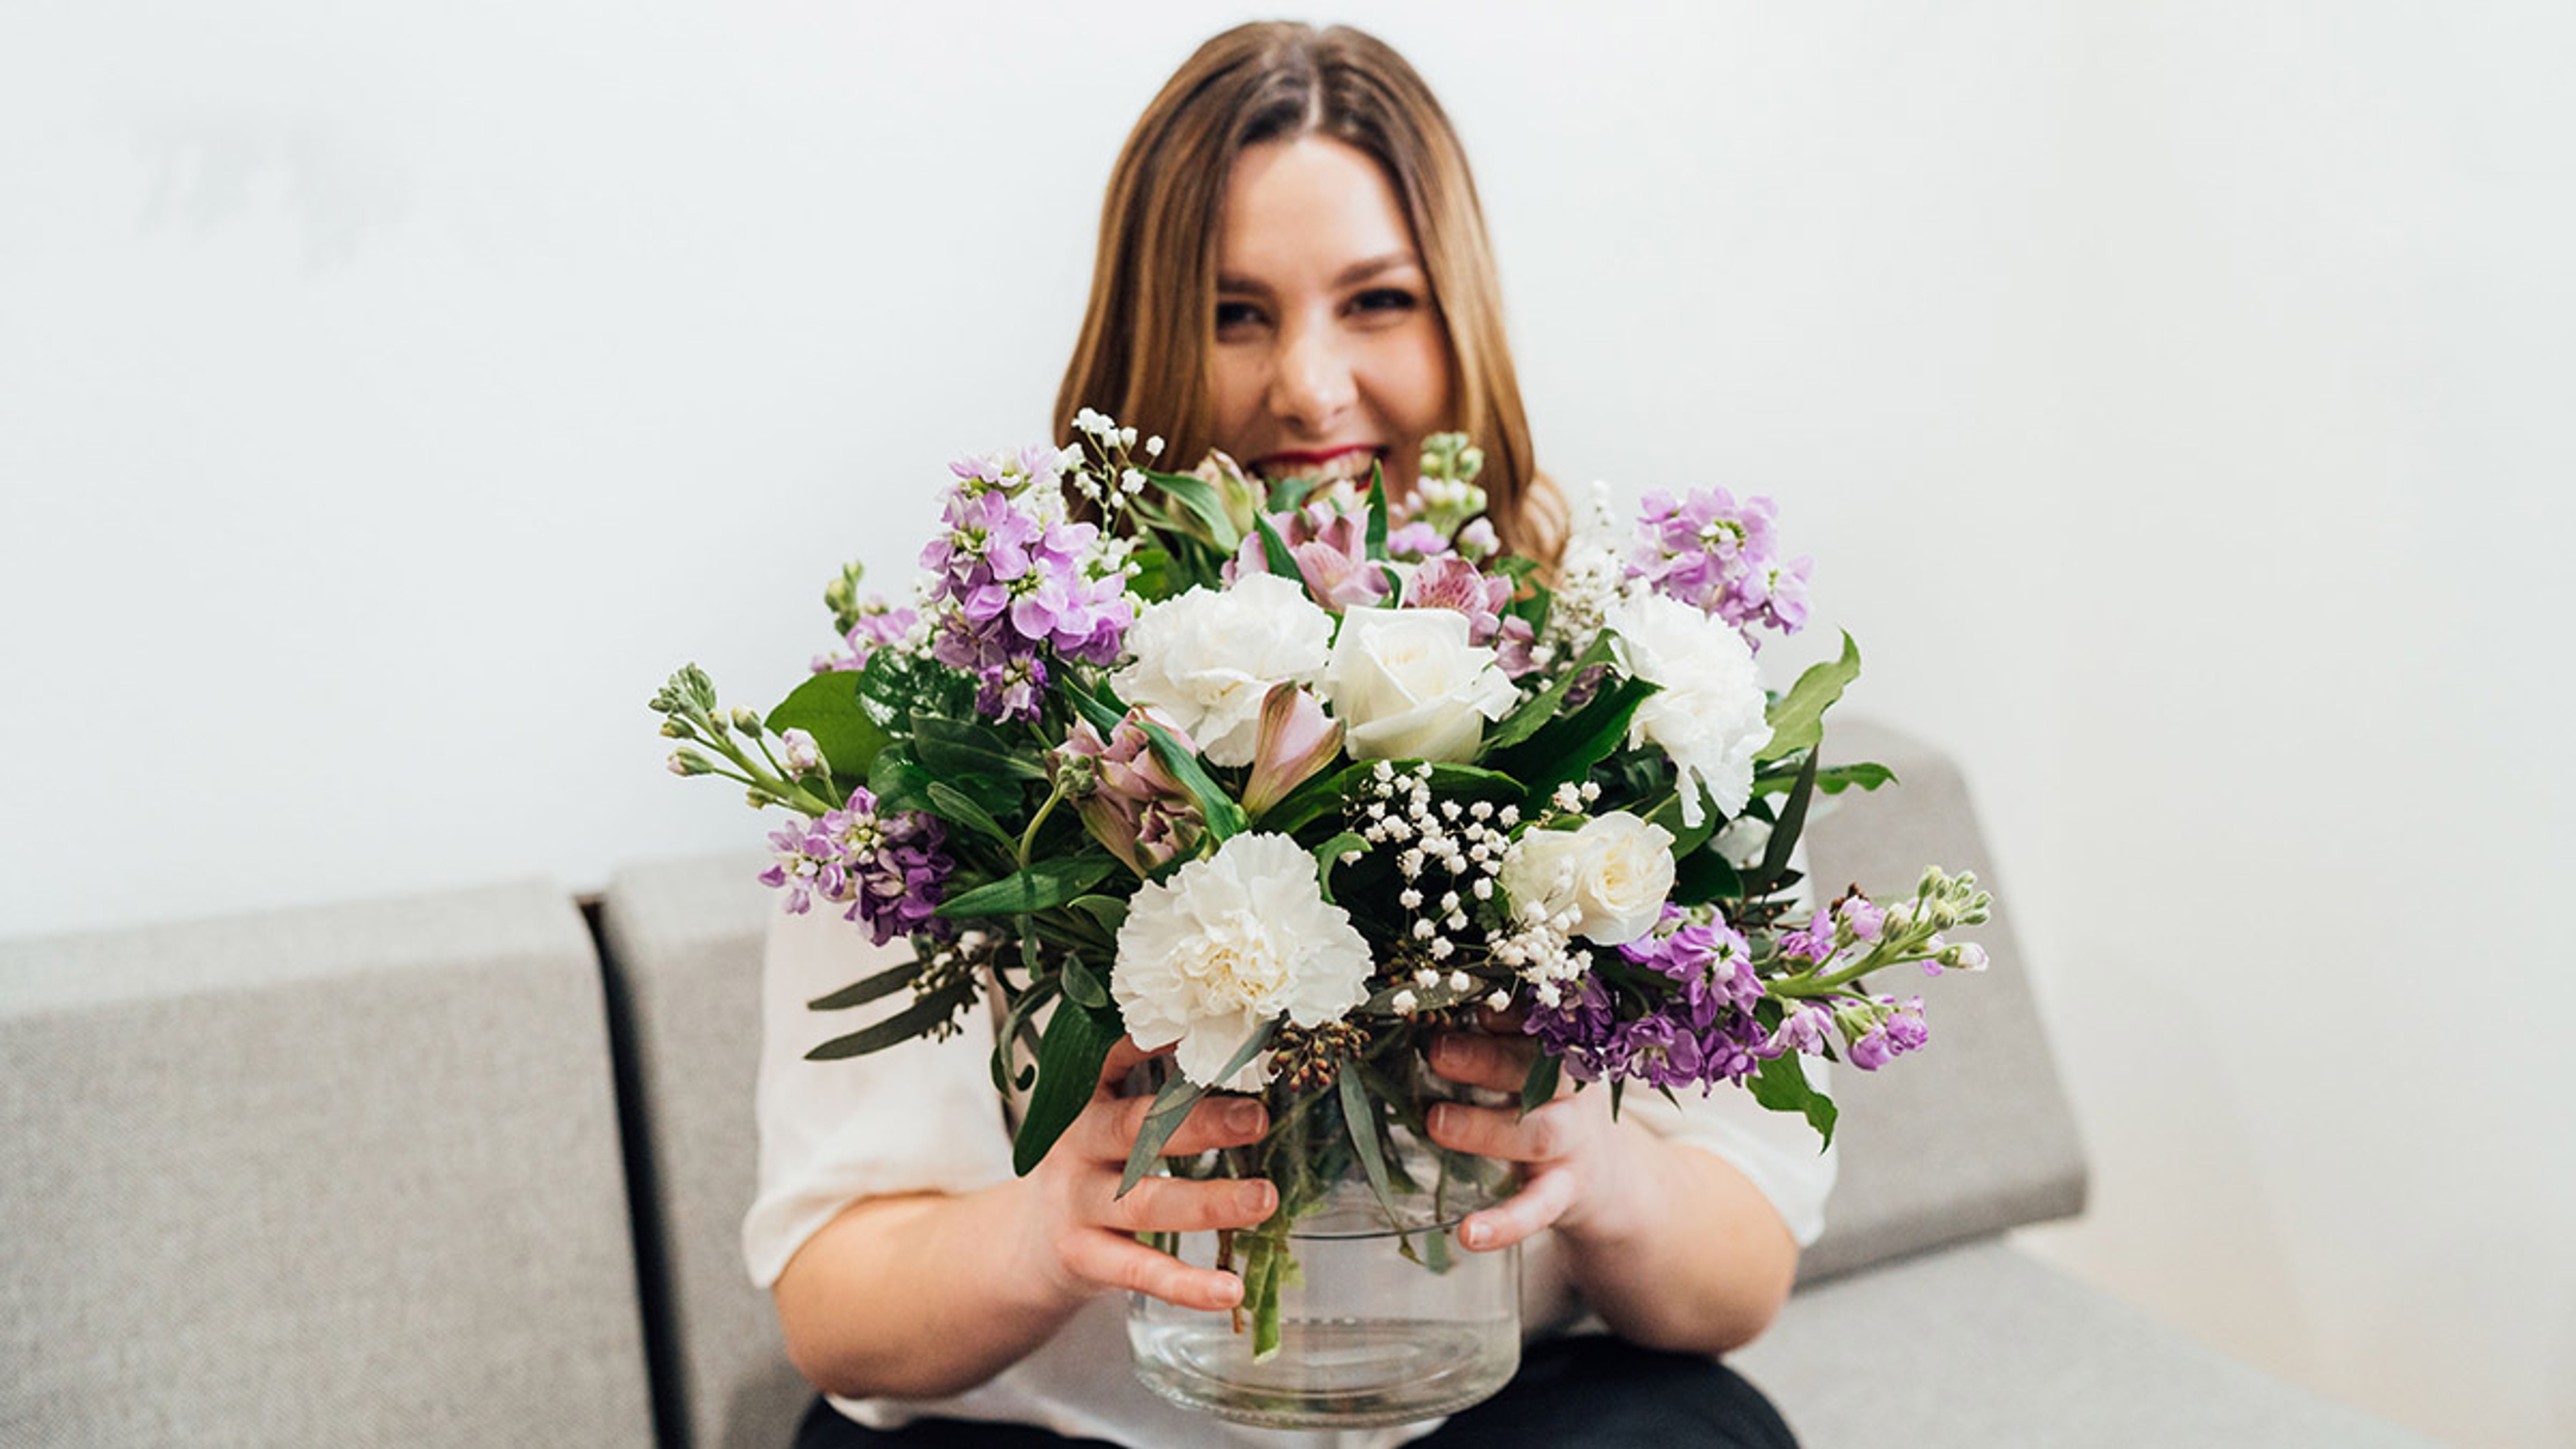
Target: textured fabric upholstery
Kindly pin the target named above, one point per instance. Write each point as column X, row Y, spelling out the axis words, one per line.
column 1973, row 1135
column 683, row 944
column 1982, row 1345
column 331, row 1176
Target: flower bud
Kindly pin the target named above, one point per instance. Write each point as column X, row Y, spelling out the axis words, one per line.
column 690, row 762
column 676, row 728
column 747, row 722
column 804, row 756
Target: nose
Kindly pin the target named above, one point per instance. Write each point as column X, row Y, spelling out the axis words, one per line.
column 1311, row 385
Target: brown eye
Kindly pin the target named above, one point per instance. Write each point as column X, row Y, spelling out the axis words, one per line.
column 1234, row 316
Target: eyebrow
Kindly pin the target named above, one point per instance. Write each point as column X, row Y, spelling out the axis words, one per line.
column 1352, row 275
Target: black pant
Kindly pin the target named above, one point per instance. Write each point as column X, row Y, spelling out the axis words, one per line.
column 1571, row 1393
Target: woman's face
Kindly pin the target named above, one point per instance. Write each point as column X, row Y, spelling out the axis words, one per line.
column 1329, row 351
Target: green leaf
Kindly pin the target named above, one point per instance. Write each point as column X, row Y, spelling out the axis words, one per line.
column 903, row 1026
column 1360, row 1119
column 1172, row 1106
column 1110, row 912
column 949, row 803
column 1199, row 497
column 827, row 707
column 1288, row 494
column 1274, row 551
column 1704, row 876
column 1376, row 535
column 1540, row 708
column 1077, row 1042
column 1540, row 1085
column 898, row 781
column 1038, row 994
column 1083, row 984
column 1784, row 832
column 1781, row 1085
column 1686, row 838
column 1798, row 717
column 1045, row 884
column 1568, row 749
column 1224, row 818
column 962, row 747
column 1101, row 714
column 1152, row 581
column 1326, row 792
column 867, row 989
column 1329, row 855
column 1833, row 780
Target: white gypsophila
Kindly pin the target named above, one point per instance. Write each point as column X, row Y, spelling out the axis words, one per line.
column 1206, row 658
column 1613, row 874
column 1707, row 714
column 1228, row 943
column 1594, row 571
column 1406, row 685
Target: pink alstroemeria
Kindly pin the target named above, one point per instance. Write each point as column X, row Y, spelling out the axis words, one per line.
column 1297, row 739
column 1454, row 583
column 1136, row 806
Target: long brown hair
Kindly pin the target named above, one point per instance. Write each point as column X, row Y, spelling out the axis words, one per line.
column 1143, row 354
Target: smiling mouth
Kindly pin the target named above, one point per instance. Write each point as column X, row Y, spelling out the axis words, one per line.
column 1341, row 465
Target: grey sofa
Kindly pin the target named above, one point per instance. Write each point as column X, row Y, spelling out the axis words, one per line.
column 468, row 1169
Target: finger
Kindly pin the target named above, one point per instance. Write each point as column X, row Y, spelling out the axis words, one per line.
column 1500, row 1063
column 1176, row 1204
column 1113, row 1261
column 1106, row 1130
column 1124, row 1056
column 1542, row 1135
column 1502, row 1023
column 1546, row 1197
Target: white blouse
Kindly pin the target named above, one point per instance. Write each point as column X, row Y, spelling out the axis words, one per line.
column 924, row 1116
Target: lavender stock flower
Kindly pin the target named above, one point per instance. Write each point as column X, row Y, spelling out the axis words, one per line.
column 890, row 869
column 1720, row 557
column 1014, row 582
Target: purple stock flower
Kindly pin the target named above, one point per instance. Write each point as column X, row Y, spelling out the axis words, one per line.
column 1813, row 941
column 1709, row 959
column 1416, row 540
column 890, row 869
column 1013, row 585
column 881, row 624
column 1862, row 915
column 1721, row 558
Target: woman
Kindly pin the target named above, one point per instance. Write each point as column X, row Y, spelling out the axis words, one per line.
column 1292, row 269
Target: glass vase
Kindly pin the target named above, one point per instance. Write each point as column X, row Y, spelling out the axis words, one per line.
column 1350, row 1318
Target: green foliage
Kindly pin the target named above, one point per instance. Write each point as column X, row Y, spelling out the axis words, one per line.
column 1798, row 717
column 1076, row 1045
column 1833, row 780
column 914, row 1020
column 956, row 806
column 867, row 989
column 1540, row 709
column 1781, row 1085
column 1172, row 1107
column 1199, row 497
column 827, row 707
column 1569, row 748
column 1540, row 1085
column 1044, row 885
column 1224, row 818
column 1274, row 550
column 948, row 747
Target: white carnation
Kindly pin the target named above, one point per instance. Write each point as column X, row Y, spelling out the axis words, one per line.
column 1228, row 943
column 1708, row 714
column 1613, row 874
column 1204, row 660
column 1407, row 685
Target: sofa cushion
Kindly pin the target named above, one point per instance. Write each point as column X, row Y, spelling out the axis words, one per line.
column 1981, row 1345
column 1972, row 1135
column 327, row 1176
column 683, row 946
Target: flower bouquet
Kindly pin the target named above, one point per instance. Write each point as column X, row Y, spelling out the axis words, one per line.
column 1289, row 776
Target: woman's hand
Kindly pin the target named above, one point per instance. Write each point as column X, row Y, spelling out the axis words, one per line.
column 1580, row 1165
column 1081, row 1234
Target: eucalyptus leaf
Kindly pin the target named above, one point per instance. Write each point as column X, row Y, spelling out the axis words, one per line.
column 1172, row 1106
column 1360, row 1119
column 1082, row 984
column 867, row 989
column 903, row 1026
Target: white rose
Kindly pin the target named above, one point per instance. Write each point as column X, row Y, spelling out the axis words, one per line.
column 1614, row 874
column 1708, row 715
column 1228, row 943
column 1407, row 685
column 1205, row 659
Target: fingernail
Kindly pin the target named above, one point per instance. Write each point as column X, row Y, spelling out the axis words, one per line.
column 1439, row 1120
column 1254, row 1196
column 1244, row 1116
column 1475, row 1235
column 1229, row 1292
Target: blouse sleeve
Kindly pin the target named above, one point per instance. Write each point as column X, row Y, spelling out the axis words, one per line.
column 922, row 1116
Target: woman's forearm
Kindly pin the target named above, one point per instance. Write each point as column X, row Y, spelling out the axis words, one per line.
column 1692, row 1257
column 918, row 1296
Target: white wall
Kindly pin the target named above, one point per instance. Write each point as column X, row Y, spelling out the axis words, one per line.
column 2174, row 397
